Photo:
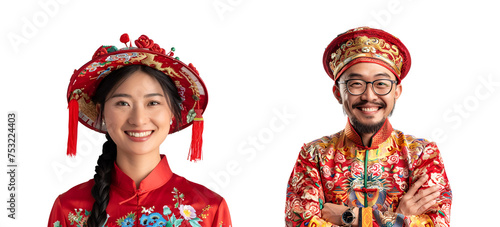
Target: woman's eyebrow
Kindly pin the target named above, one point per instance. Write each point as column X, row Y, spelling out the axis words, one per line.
column 120, row 95
column 130, row 96
column 152, row 95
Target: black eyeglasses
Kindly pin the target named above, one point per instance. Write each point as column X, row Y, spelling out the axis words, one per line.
column 358, row 87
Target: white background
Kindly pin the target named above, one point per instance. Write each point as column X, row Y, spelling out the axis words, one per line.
column 269, row 94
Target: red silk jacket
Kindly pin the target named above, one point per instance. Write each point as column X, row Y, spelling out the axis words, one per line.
column 339, row 169
column 163, row 199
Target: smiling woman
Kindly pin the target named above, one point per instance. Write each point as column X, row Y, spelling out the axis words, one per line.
column 137, row 96
column 140, row 109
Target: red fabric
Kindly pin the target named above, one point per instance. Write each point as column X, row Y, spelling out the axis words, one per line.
column 382, row 135
column 391, row 40
column 332, row 170
column 369, row 60
column 162, row 196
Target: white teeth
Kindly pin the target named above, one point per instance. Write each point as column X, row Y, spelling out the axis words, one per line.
column 139, row 134
column 369, row 109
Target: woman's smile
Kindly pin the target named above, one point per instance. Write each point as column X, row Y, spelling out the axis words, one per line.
column 137, row 115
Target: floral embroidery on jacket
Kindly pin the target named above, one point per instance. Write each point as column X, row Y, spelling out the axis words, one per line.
column 149, row 218
column 163, row 199
column 126, row 221
column 77, row 218
column 335, row 169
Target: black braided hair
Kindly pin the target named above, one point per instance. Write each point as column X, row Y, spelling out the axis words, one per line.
column 105, row 163
column 102, row 179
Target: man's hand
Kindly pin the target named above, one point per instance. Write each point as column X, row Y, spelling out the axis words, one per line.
column 333, row 213
column 415, row 201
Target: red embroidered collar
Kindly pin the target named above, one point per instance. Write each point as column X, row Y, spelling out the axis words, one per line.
column 383, row 133
column 160, row 175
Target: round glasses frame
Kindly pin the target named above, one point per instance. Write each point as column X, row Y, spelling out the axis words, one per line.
column 365, row 84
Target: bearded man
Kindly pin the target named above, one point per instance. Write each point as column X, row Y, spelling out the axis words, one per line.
column 368, row 174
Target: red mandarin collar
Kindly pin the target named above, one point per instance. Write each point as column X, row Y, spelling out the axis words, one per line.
column 383, row 133
column 160, row 175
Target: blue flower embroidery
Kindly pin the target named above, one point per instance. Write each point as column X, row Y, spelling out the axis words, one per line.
column 154, row 220
column 128, row 222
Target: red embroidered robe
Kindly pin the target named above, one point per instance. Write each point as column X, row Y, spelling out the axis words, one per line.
column 339, row 169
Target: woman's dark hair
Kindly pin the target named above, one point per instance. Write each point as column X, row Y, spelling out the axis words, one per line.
column 105, row 163
column 111, row 82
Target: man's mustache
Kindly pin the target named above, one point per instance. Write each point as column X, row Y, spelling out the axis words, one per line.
column 361, row 103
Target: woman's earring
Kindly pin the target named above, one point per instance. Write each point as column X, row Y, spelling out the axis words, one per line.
column 171, row 121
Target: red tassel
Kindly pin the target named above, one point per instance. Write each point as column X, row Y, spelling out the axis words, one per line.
column 197, row 139
column 72, row 127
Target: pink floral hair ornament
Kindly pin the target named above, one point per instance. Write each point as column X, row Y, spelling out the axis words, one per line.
column 106, row 59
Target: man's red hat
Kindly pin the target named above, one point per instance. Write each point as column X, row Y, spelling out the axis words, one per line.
column 366, row 44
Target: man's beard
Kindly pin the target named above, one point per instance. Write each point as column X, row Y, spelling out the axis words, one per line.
column 368, row 128
column 365, row 128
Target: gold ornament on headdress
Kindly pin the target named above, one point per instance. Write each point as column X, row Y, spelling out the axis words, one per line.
column 363, row 46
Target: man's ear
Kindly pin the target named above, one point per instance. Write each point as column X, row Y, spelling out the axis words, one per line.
column 399, row 90
column 336, row 93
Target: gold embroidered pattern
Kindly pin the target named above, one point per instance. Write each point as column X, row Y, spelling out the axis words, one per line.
column 363, row 46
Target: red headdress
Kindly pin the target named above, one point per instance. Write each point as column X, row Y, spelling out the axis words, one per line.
column 106, row 59
column 366, row 45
